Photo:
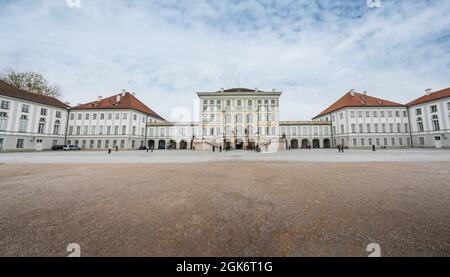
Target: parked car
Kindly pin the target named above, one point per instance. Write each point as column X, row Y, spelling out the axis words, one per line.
column 71, row 148
column 143, row 148
column 58, row 147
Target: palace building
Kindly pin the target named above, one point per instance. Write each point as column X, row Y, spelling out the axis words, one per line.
column 236, row 118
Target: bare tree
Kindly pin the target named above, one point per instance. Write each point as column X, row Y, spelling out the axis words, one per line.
column 31, row 81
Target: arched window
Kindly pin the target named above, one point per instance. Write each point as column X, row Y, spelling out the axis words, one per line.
column 239, row 118
column 228, row 118
column 239, row 131
column 249, row 118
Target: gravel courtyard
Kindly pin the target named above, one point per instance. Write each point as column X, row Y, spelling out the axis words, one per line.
column 223, row 208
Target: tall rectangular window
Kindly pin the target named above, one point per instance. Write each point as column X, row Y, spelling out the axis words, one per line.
column 25, row 108
column 4, row 105
column 20, row 143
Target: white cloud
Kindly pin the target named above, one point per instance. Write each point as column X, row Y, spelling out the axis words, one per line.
column 165, row 51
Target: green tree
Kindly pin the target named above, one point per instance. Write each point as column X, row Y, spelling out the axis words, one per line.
column 31, row 81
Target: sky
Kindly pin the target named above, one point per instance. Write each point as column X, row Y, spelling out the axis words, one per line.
column 165, row 51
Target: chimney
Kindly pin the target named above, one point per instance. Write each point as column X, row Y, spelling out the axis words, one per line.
column 100, row 98
column 352, row 92
column 123, row 92
column 428, row 91
column 118, row 98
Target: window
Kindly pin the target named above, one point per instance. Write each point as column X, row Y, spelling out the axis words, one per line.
column 341, row 115
column 107, row 143
column 361, row 129
column 239, row 102
column 399, row 128
column 41, row 126
column 108, row 130
column 377, row 141
column 109, row 116
column 1, row 143
column 135, row 117
column 20, row 143
column 382, row 114
column 4, row 105
column 116, row 130
column 354, row 142
column 406, row 128
column 375, row 126
column 433, row 109
column 419, row 124
column 239, row 118
column 370, row 141
column 100, row 130
column 400, row 141
column 390, row 113
column 375, row 114
column 58, row 114
column 448, row 106
column 87, row 116
column 352, row 114
column 56, row 127
column 102, row 116
column 362, row 142
column 405, row 114
column 122, row 144
column 368, row 129
column 385, row 141
column 360, row 114
column 418, row 111
column 421, row 141
column 83, row 144
column 78, row 130
column 435, row 121
column 342, row 128
column 91, row 144
column 72, row 116
column 117, row 116
column 85, row 131
column 383, row 128
column 79, row 116
column 94, row 116
column 25, row 108
column 99, row 144
column 367, row 114
column 397, row 113
column 3, row 121
column 23, row 123
column 92, row 130
column 353, row 129
column 391, row 127
column 70, row 131
column 43, row 112
column 124, row 130
column 393, row 141
column 124, row 116
column 134, row 130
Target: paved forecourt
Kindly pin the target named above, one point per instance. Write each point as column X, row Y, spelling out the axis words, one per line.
column 186, row 156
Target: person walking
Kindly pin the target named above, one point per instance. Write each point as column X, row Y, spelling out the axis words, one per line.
column 214, row 148
column 147, row 148
column 220, row 148
column 373, row 148
column 109, row 150
column 117, row 148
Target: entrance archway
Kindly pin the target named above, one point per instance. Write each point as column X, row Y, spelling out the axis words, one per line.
column 162, row 144
column 173, row 145
column 183, row 145
column 326, row 143
column 305, row 143
column 316, row 143
column 239, row 144
column 294, row 144
column 151, row 144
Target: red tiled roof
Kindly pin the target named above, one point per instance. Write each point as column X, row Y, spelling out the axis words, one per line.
column 358, row 100
column 126, row 101
column 11, row 91
column 430, row 97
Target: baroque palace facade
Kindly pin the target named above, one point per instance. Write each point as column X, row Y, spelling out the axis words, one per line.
column 237, row 118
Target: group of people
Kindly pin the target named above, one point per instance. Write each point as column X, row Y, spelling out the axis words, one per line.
column 228, row 148
column 341, row 148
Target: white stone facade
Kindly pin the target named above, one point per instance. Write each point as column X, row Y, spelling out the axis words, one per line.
column 26, row 125
column 430, row 123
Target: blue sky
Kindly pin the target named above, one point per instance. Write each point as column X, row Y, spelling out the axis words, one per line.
column 165, row 51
